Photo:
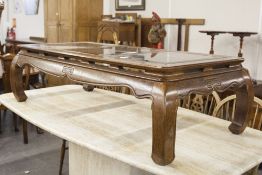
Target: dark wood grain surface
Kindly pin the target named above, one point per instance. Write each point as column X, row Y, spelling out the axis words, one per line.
column 163, row 76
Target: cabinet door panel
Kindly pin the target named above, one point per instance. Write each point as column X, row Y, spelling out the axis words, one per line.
column 51, row 11
column 66, row 21
column 65, row 33
column 72, row 20
column 66, row 11
column 88, row 14
column 93, row 33
column 82, row 34
column 51, row 20
column 52, row 34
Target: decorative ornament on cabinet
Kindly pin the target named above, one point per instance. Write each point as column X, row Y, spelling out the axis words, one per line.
column 157, row 32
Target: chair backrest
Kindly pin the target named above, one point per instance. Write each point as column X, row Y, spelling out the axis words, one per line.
column 201, row 103
column 6, row 64
column 107, row 32
column 226, row 110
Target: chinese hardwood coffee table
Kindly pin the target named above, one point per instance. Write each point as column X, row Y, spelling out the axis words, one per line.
column 163, row 76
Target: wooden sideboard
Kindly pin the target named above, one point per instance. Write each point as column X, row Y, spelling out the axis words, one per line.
column 117, row 32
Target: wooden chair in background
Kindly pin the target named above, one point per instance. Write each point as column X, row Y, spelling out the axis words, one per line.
column 201, row 103
column 226, row 110
column 6, row 63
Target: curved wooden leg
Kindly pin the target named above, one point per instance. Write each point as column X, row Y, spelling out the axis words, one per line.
column 88, row 88
column 164, row 109
column 15, row 122
column 25, row 134
column 244, row 101
column 62, row 157
column 16, row 80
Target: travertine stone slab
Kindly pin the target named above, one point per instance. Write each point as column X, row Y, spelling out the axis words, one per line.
column 118, row 126
column 86, row 162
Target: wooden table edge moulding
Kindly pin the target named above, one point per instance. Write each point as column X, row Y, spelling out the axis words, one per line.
column 163, row 82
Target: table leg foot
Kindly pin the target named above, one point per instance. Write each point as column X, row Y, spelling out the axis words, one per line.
column 88, row 88
column 164, row 108
column 244, row 101
column 15, row 122
column 16, row 80
column 25, row 134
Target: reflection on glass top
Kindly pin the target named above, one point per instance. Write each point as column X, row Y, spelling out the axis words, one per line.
column 134, row 55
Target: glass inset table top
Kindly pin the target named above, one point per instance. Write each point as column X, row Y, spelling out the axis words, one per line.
column 129, row 55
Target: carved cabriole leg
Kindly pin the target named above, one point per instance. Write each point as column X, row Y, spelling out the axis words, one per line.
column 62, row 156
column 164, row 110
column 16, row 80
column 15, row 122
column 244, row 101
column 88, row 88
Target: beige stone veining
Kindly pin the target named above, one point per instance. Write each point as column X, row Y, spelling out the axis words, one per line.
column 119, row 127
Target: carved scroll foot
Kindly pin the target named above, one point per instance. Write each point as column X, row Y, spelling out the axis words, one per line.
column 164, row 108
column 16, row 80
column 244, row 101
column 88, row 88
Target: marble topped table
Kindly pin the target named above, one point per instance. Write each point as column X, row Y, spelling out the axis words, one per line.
column 110, row 134
column 161, row 75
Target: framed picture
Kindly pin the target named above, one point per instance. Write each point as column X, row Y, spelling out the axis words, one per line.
column 130, row 4
column 18, row 6
column 31, row 7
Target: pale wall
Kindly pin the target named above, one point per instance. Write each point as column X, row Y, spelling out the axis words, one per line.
column 259, row 58
column 233, row 15
column 28, row 25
